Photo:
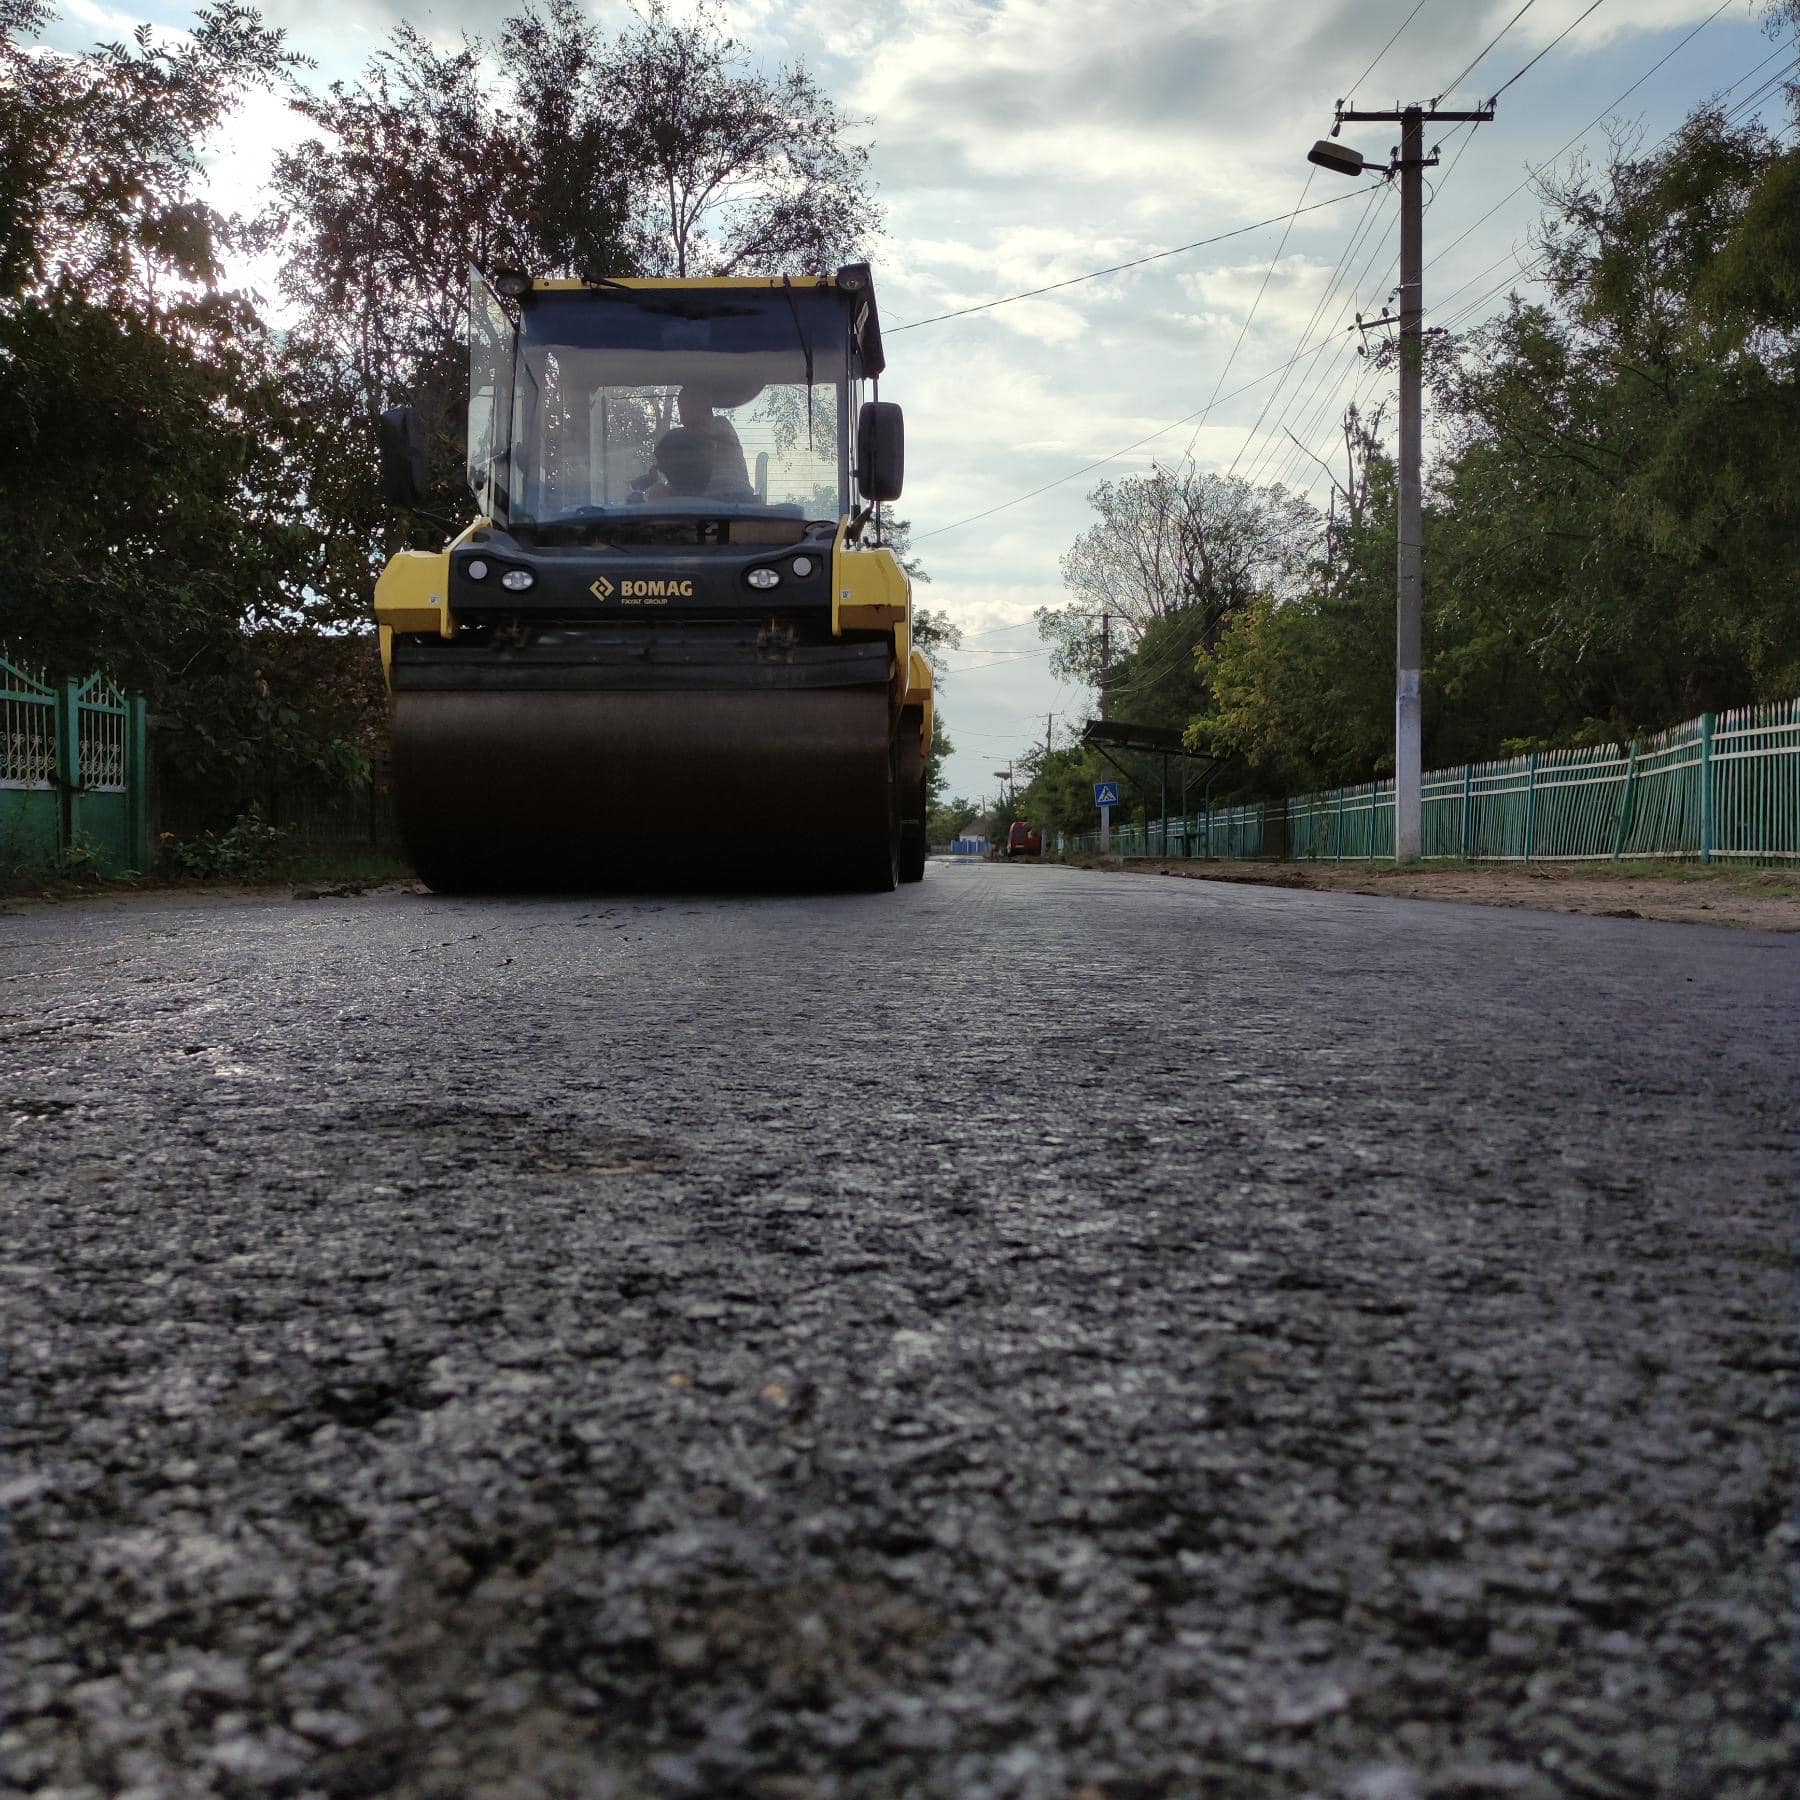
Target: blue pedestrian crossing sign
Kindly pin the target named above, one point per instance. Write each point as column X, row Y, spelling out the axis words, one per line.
column 1106, row 793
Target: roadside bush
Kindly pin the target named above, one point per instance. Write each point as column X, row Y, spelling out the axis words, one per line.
column 249, row 851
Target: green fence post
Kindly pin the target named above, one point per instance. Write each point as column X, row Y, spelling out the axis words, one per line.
column 1625, row 800
column 1707, row 723
column 1530, row 804
column 137, row 779
column 68, row 762
column 1468, row 811
column 1337, row 835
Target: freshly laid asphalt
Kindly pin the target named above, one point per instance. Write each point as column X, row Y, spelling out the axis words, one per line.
column 1037, row 1334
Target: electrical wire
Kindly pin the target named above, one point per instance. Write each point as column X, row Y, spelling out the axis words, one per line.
column 1599, row 118
column 1187, row 455
column 1315, row 350
column 1385, row 48
column 971, row 637
column 1501, row 89
column 1738, row 110
column 1511, row 256
column 1300, row 452
column 1114, row 455
column 1530, row 270
column 1313, row 400
column 1450, row 86
column 1451, row 322
column 1319, row 306
column 1467, row 133
column 1325, row 298
column 1344, row 362
column 962, row 312
column 1323, row 370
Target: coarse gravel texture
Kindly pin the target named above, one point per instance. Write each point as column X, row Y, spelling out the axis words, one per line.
column 1036, row 1334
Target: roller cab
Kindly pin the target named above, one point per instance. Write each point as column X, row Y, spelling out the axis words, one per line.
column 668, row 648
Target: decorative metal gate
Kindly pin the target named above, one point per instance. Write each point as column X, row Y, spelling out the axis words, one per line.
column 73, row 765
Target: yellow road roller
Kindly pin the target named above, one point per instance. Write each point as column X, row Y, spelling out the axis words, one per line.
column 670, row 648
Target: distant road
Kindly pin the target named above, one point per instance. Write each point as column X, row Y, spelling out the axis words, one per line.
column 1034, row 1334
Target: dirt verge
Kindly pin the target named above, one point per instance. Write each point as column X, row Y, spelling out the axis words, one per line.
column 1750, row 898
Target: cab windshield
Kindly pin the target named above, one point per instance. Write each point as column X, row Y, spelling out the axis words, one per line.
column 700, row 401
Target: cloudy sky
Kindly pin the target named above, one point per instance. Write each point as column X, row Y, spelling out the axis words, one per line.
column 1019, row 143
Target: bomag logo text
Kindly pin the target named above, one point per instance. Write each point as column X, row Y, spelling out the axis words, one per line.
column 656, row 590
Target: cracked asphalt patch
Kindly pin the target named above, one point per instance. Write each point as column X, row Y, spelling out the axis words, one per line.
column 1037, row 1334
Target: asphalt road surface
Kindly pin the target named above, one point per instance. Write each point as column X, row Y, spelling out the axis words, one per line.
column 1038, row 1334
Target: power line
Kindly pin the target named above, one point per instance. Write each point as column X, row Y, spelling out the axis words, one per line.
column 1511, row 256
column 1319, row 376
column 1449, row 87
column 1319, row 306
column 1331, row 286
column 996, row 630
column 1599, row 118
column 1385, row 48
column 962, row 312
column 1451, row 319
column 1114, row 455
column 996, row 660
column 1344, row 361
column 1297, row 453
column 1288, row 458
column 1501, row 89
column 1530, row 270
column 1280, row 250
column 1314, row 350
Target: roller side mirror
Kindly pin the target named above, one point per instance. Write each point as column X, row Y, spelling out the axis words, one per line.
column 405, row 468
column 880, row 450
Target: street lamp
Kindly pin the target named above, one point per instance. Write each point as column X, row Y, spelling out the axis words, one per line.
column 1328, row 153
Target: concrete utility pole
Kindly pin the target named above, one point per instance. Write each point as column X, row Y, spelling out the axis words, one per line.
column 1409, row 803
column 1410, row 163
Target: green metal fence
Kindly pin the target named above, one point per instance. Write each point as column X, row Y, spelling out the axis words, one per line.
column 73, row 774
column 1227, row 831
column 1723, row 785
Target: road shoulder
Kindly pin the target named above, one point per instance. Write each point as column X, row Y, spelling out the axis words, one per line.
column 1756, row 899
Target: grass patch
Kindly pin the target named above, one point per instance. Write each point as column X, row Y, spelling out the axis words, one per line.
column 325, row 868
column 336, row 867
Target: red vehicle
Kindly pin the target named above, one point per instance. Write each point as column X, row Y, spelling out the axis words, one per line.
column 1024, row 840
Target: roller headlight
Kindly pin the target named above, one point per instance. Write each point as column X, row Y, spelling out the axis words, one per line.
column 762, row 578
column 476, row 571
column 516, row 581
column 802, row 565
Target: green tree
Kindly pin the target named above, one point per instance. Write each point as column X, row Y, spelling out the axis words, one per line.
column 1167, row 562
column 1621, row 507
column 554, row 149
column 934, row 632
column 729, row 172
column 945, row 820
column 1300, row 691
column 152, row 527
column 1611, row 533
column 1059, row 795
